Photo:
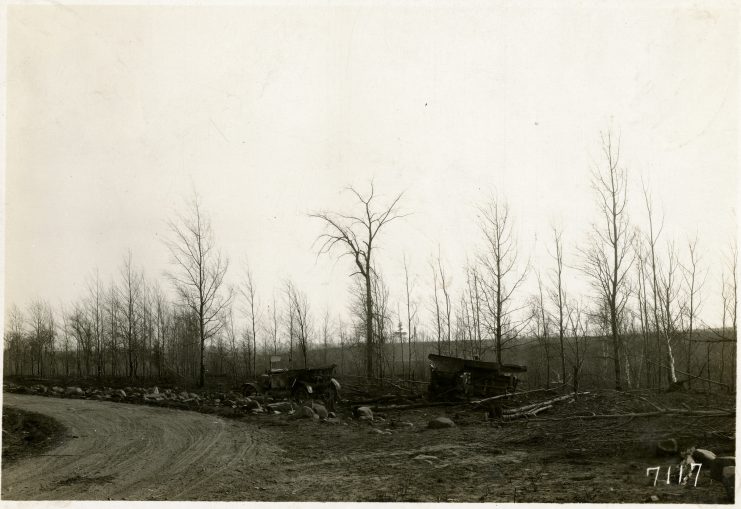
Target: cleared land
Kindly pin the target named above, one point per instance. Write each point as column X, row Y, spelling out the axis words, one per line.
column 125, row 451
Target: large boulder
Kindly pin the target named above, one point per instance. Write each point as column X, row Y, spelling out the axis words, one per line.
column 364, row 412
column 251, row 404
column 282, row 406
column 703, row 456
column 729, row 482
column 57, row 390
column 73, row 391
column 306, row 412
column 440, row 423
column 667, row 447
column 320, row 410
column 718, row 464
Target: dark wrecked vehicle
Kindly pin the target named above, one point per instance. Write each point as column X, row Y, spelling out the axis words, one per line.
column 456, row 378
column 300, row 385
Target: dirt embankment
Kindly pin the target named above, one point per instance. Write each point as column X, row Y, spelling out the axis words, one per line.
column 28, row 433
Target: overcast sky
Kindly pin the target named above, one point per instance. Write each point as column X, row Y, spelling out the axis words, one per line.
column 115, row 114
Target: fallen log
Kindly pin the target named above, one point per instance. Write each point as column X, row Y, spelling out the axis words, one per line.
column 527, row 413
column 668, row 411
column 540, row 403
column 693, row 377
column 486, row 400
column 416, row 405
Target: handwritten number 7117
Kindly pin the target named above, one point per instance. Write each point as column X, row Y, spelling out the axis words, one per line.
column 681, row 468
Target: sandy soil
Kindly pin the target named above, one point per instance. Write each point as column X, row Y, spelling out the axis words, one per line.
column 118, row 451
column 124, row 451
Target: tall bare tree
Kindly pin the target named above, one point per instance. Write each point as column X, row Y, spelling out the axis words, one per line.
column 444, row 283
column 436, row 306
column 606, row 260
column 249, row 292
column 355, row 235
column 652, row 241
column 411, row 313
column 130, row 293
column 559, row 298
column 670, row 308
column 302, row 321
column 199, row 273
column 694, row 287
column 499, row 261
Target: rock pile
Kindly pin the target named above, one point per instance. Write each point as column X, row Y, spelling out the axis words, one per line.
column 721, row 468
column 146, row 395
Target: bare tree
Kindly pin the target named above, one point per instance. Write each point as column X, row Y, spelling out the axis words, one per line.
column 474, row 293
column 446, row 295
column 356, row 236
column 247, row 289
column 130, row 292
column 669, row 314
column 694, row 287
column 436, row 304
column 499, row 261
column 559, row 298
column 411, row 313
column 14, row 340
column 541, row 328
column 606, row 260
column 653, row 237
column 199, row 274
column 325, row 335
column 41, row 332
column 302, row 324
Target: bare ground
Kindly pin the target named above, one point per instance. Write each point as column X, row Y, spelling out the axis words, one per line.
column 123, row 451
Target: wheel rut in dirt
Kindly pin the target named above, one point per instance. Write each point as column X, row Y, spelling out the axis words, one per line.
column 117, row 451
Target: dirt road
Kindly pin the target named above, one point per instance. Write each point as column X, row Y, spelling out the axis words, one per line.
column 119, row 451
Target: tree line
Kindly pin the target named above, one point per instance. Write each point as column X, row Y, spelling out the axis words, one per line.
column 641, row 322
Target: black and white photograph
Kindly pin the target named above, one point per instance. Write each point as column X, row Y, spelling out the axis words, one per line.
column 355, row 251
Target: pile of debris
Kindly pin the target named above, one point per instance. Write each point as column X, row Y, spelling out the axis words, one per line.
column 222, row 403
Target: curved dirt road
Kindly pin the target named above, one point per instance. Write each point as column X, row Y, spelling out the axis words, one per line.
column 120, row 451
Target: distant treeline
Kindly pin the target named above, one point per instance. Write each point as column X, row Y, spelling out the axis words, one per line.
column 639, row 326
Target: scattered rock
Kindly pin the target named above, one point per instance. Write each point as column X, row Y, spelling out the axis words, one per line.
column 425, row 457
column 653, row 498
column 703, row 456
column 718, row 464
column 155, row 390
column 282, row 406
column 251, row 404
column 120, row 393
column 729, row 482
column 667, row 447
column 320, row 410
column 440, row 422
column 306, row 411
column 364, row 412
column 376, row 431
column 332, row 415
column 57, row 390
